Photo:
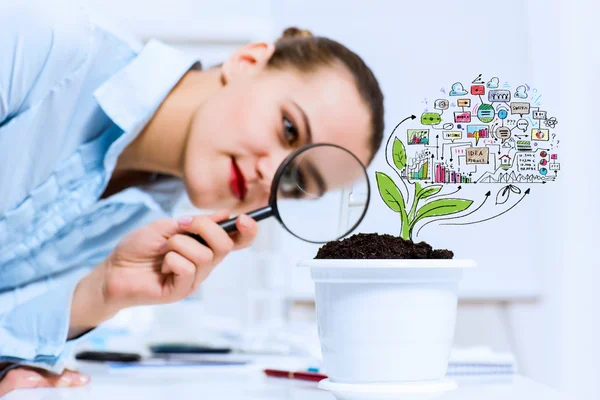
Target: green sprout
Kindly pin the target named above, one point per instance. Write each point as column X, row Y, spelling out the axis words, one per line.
column 393, row 197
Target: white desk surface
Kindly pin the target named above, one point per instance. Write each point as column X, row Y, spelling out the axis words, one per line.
column 226, row 383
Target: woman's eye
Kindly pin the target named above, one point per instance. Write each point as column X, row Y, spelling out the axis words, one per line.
column 290, row 133
column 292, row 183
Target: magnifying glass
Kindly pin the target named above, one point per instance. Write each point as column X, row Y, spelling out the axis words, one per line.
column 312, row 191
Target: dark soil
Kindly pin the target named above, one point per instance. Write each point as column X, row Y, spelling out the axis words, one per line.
column 376, row 246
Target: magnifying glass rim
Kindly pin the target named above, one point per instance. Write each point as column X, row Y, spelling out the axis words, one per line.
column 283, row 166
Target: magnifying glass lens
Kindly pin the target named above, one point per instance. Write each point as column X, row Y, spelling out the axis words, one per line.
column 322, row 193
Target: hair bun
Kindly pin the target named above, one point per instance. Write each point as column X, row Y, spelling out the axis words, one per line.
column 293, row 32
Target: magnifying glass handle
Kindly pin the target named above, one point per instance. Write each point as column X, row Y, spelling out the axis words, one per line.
column 230, row 227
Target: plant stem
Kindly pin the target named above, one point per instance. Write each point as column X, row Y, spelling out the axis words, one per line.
column 405, row 234
column 413, row 209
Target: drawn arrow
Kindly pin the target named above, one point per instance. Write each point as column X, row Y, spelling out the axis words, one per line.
column 437, row 147
column 495, row 216
column 487, row 195
column 390, row 138
column 412, row 117
column 445, row 194
column 432, row 179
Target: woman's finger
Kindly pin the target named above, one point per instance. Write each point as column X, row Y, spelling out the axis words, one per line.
column 217, row 239
column 199, row 254
column 247, row 230
column 220, row 215
column 21, row 378
column 26, row 377
column 180, row 279
column 67, row 378
column 168, row 227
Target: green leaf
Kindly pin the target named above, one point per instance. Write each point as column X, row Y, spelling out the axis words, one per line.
column 399, row 154
column 428, row 191
column 441, row 207
column 389, row 192
column 418, row 188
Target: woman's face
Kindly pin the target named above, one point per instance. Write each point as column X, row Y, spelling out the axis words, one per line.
column 241, row 134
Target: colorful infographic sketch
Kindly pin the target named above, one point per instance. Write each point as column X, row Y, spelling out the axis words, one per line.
column 491, row 133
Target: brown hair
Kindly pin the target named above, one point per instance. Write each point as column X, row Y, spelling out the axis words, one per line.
column 299, row 48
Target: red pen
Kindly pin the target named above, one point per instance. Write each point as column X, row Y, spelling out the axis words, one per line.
column 306, row 376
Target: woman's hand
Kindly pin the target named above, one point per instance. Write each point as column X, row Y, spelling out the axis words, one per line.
column 155, row 264
column 28, row 377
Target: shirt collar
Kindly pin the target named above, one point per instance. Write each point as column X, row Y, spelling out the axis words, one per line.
column 132, row 95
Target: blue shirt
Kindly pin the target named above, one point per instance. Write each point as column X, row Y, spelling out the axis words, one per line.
column 73, row 95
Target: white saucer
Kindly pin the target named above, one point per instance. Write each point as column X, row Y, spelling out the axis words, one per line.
column 400, row 391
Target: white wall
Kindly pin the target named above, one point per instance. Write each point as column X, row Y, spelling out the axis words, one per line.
column 535, row 325
column 579, row 328
column 558, row 337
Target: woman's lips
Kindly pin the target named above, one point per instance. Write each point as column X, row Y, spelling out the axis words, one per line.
column 237, row 183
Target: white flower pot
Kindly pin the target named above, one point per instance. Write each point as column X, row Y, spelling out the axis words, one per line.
column 386, row 321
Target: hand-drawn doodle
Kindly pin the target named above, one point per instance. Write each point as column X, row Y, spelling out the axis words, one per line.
column 486, row 113
column 457, row 89
column 478, row 132
column 503, row 133
column 477, row 90
column 522, row 124
column 521, row 92
column 519, row 108
column 417, row 136
column 478, row 80
column 499, row 96
column 505, row 162
column 495, row 136
column 463, row 102
column 504, row 193
column 431, row 118
column 441, row 104
column 493, row 83
column 462, row 116
column 551, row 122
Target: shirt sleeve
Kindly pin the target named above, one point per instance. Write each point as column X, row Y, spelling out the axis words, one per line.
column 40, row 42
column 34, row 332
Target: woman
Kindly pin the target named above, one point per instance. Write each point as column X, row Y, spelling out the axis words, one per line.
column 98, row 137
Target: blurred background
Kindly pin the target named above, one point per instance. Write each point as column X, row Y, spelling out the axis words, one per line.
column 534, row 293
